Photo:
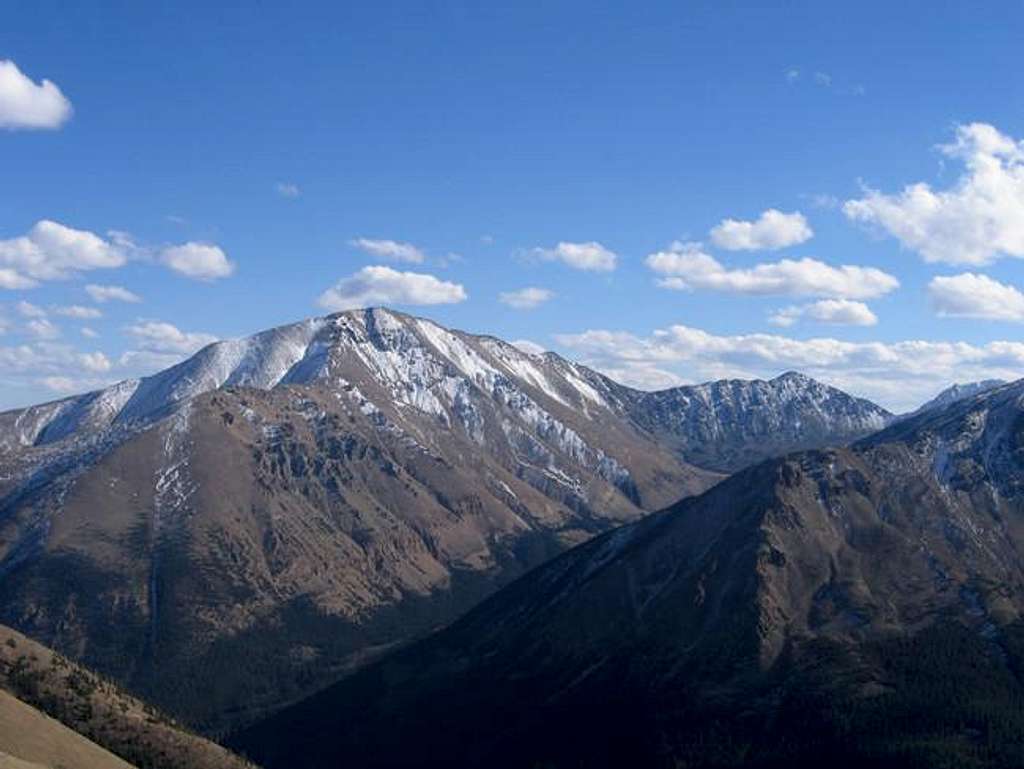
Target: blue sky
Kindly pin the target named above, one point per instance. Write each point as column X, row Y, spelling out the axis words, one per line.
column 238, row 168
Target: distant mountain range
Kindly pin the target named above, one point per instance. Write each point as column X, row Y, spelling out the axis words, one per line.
column 857, row 606
column 236, row 531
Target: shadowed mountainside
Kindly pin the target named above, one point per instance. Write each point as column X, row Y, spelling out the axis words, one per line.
column 855, row 607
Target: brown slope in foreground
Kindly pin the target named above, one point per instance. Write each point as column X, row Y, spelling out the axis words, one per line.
column 30, row 739
column 852, row 607
column 79, row 704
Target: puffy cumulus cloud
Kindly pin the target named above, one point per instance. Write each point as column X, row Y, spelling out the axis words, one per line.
column 12, row 280
column 25, row 104
column 79, row 312
column 29, row 310
column 383, row 285
column 530, row 348
column 59, row 384
column 898, row 375
column 161, row 337
column 978, row 219
column 201, row 261
column 103, row 294
column 390, row 249
column 52, row 251
column 770, row 231
column 686, row 266
column 95, row 361
column 42, row 328
column 526, row 298
column 55, row 365
column 591, row 256
column 971, row 295
column 841, row 312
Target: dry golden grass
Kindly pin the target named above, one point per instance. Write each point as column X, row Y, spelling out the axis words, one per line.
column 29, row 738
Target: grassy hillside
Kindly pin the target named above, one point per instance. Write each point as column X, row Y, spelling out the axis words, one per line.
column 30, row 739
column 100, row 711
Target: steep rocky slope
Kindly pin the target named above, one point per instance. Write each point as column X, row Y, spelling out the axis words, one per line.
column 857, row 606
column 231, row 532
column 58, row 714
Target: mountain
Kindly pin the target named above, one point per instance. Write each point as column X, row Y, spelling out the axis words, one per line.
column 235, row 531
column 857, row 606
column 55, row 713
column 958, row 392
column 730, row 424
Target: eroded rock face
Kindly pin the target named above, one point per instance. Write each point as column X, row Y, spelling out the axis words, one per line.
column 862, row 602
column 319, row 492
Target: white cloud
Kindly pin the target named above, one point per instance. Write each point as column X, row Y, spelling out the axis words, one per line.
column 28, row 105
column 686, row 266
column 389, row 249
column 104, row 294
column 823, row 79
column 530, row 348
column 12, row 280
column 29, row 310
column 975, row 221
column 55, row 365
column 41, row 328
column 526, row 298
column 590, row 256
column 769, row 232
column 202, row 261
column 59, row 384
column 52, row 251
column 899, row 375
column 88, row 333
column 78, row 311
column 792, row 75
column 841, row 312
column 162, row 337
column 95, row 361
column 383, row 285
column 288, row 189
column 972, row 295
